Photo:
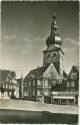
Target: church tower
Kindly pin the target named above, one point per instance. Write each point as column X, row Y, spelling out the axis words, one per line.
column 53, row 53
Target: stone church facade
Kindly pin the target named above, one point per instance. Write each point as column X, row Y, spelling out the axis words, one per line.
column 45, row 84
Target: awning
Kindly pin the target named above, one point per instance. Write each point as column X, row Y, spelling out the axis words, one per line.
column 63, row 97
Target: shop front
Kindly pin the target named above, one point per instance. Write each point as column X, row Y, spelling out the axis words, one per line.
column 63, row 100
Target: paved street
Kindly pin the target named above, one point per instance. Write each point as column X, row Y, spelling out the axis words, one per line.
column 35, row 106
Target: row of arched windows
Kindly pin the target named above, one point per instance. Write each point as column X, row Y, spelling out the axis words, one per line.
column 51, row 55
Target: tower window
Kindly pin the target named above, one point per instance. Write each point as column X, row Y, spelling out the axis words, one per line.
column 54, row 54
column 48, row 55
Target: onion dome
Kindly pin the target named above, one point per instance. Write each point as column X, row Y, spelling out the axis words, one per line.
column 54, row 38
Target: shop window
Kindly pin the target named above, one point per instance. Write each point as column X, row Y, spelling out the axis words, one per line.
column 56, row 101
column 71, row 101
column 63, row 101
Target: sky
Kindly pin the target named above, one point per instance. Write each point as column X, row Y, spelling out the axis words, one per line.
column 25, row 26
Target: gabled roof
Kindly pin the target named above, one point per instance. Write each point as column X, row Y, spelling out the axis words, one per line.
column 73, row 70
column 36, row 73
column 51, row 73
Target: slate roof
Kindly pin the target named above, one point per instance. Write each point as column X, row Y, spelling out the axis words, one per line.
column 36, row 73
column 4, row 74
column 13, row 74
column 77, row 68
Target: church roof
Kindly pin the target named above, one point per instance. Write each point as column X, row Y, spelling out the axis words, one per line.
column 36, row 73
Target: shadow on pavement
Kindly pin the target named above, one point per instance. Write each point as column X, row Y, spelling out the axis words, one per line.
column 19, row 116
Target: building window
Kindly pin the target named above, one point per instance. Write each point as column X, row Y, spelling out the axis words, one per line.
column 67, row 84
column 29, row 83
column 10, row 81
column 8, row 93
column 72, row 84
column 73, row 89
column 7, row 80
column 40, row 82
column 46, row 92
column 46, row 82
column 33, row 92
column 3, row 85
column 6, row 85
column 53, row 82
column 73, row 76
column 33, row 82
column 39, row 93
column 25, row 84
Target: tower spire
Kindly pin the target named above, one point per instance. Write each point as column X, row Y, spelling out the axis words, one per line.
column 54, row 15
column 54, row 24
column 54, row 37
